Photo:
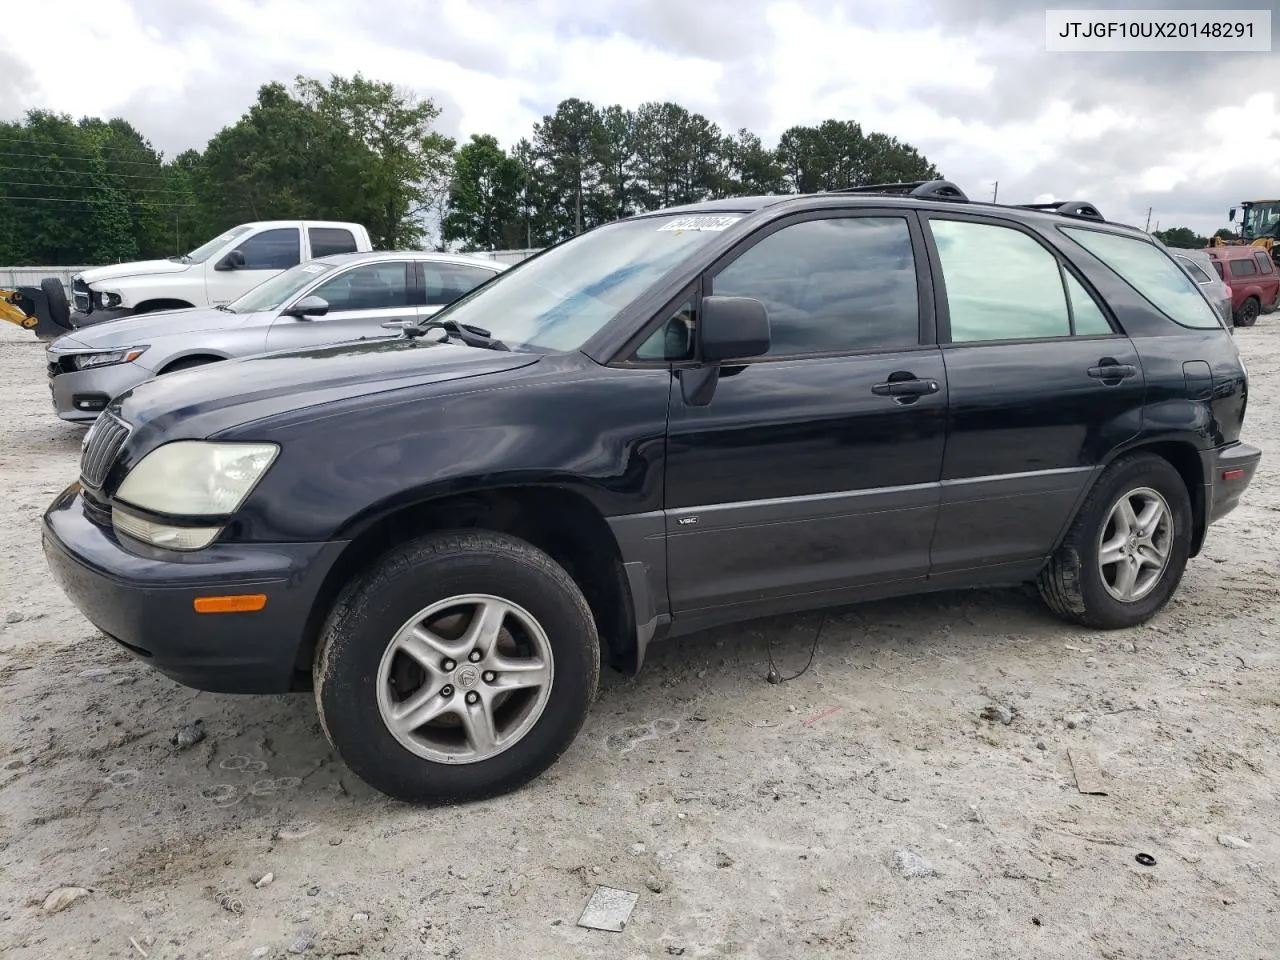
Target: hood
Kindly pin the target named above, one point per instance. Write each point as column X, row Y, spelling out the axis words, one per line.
column 118, row 271
column 204, row 401
column 137, row 330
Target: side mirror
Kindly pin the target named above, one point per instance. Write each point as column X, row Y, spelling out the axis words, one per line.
column 733, row 328
column 308, row 307
column 1231, row 216
column 232, row 261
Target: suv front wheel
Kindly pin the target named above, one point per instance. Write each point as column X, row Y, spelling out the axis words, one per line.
column 1126, row 550
column 460, row 667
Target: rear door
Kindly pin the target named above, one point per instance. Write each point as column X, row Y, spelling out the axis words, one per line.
column 1042, row 387
column 812, row 473
column 361, row 299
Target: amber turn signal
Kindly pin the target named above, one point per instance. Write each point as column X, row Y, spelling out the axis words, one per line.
column 242, row 603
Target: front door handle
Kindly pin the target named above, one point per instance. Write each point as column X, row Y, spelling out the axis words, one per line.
column 905, row 388
column 1109, row 371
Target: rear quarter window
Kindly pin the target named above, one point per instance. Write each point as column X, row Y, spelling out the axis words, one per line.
column 1152, row 273
column 1263, row 261
column 1242, row 268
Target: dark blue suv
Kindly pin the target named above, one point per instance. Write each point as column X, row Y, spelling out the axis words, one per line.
column 676, row 420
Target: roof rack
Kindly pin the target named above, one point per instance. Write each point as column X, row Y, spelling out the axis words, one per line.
column 920, row 189
column 1072, row 208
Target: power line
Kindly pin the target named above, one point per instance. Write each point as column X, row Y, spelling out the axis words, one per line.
column 55, row 156
column 69, row 146
column 85, row 186
column 92, row 203
column 85, row 173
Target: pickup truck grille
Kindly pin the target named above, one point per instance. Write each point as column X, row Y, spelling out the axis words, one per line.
column 80, row 294
column 101, row 448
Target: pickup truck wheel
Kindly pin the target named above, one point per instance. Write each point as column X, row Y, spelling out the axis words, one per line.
column 460, row 667
column 1126, row 550
column 1247, row 315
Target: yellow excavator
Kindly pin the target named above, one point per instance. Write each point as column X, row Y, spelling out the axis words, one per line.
column 1259, row 226
column 18, row 309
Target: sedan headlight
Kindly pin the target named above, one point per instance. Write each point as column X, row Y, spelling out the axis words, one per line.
column 197, row 478
column 88, row 361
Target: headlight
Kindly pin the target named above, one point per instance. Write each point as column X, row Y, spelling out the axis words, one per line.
column 197, row 478
column 87, row 361
column 162, row 534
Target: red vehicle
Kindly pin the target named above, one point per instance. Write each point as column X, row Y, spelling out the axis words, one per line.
column 1252, row 277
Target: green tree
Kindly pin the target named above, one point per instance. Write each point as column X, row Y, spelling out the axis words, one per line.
column 837, row 154
column 565, row 165
column 1182, row 237
column 406, row 161
column 750, row 169
column 484, row 197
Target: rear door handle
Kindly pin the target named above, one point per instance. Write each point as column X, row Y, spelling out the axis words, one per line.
column 905, row 388
column 1113, row 371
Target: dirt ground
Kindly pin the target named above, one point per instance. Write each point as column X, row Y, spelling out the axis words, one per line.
column 753, row 820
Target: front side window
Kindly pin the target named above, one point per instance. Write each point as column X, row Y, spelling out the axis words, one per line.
column 271, row 250
column 1152, row 273
column 832, row 286
column 1243, row 268
column 1001, row 284
column 673, row 340
column 373, row 286
column 206, row 250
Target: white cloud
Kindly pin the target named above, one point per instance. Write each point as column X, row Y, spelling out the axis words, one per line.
column 984, row 101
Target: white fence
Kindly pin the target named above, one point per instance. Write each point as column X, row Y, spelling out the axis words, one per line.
column 11, row 277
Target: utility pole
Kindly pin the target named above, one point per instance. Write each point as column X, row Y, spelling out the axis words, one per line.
column 995, row 192
column 1147, row 228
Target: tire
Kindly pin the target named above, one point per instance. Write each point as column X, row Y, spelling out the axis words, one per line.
column 187, row 363
column 1073, row 584
column 56, row 297
column 1247, row 315
column 355, row 668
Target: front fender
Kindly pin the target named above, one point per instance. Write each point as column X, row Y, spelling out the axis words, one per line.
column 186, row 286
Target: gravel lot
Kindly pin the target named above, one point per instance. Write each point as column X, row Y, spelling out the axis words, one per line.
column 752, row 820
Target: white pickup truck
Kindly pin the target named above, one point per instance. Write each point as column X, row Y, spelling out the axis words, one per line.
column 214, row 273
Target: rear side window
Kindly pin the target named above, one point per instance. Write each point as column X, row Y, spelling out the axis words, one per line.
column 271, row 250
column 1242, row 268
column 1152, row 273
column 1193, row 268
column 1001, row 284
column 1264, row 261
column 1090, row 321
column 1217, row 265
column 832, row 286
column 326, row 241
column 446, row 282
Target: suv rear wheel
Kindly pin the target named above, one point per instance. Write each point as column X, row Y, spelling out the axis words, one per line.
column 1126, row 550
column 460, row 667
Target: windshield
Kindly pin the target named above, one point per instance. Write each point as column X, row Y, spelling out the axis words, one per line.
column 558, row 300
column 274, row 292
column 203, row 252
column 1260, row 220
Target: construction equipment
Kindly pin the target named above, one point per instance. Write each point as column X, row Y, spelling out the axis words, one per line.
column 1259, row 226
column 43, row 310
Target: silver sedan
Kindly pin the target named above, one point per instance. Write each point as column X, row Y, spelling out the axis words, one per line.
column 328, row 300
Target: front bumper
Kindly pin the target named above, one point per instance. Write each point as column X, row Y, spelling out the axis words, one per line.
column 1228, row 471
column 143, row 599
column 80, row 395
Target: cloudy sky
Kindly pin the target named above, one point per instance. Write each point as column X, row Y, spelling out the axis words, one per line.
column 967, row 81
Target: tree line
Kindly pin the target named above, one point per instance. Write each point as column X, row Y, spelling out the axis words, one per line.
column 351, row 148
